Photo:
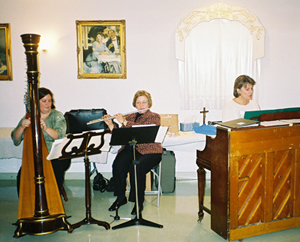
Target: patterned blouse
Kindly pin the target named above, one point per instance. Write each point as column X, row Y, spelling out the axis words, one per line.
column 55, row 120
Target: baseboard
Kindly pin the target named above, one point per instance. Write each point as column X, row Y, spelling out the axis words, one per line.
column 8, row 176
column 108, row 175
column 190, row 176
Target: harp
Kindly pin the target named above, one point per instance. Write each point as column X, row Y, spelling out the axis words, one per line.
column 40, row 206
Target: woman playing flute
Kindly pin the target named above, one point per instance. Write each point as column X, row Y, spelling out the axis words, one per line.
column 149, row 155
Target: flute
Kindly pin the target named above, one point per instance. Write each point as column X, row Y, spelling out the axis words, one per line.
column 112, row 117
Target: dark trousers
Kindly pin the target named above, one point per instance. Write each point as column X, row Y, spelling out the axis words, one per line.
column 123, row 164
column 59, row 169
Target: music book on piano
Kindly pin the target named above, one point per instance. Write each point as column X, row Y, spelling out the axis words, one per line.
column 239, row 123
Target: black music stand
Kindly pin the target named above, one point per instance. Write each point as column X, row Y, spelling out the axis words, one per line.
column 133, row 136
column 85, row 149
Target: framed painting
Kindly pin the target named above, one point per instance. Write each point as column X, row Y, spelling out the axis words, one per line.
column 101, row 49
column 5, row 53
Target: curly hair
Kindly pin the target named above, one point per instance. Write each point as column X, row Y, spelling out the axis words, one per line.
column 142, row 93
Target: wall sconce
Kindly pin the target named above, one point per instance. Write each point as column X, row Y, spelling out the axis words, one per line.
column 45, row 44
column 47, row 41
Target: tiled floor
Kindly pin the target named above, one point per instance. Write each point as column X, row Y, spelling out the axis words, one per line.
column 177, row 213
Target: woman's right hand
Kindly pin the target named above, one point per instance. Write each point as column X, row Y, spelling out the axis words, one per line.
column 109, row 122
column 20, row 130
column 26, row 123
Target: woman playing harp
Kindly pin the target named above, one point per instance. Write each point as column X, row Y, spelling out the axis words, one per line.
column 53, row 125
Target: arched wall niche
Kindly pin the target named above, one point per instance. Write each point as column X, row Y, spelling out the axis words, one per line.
column 220, row 11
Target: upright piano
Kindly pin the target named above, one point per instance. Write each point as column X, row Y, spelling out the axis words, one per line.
column 255, row 178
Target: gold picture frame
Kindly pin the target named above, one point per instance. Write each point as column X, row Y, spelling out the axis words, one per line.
column 101, row 49
column 5, row 53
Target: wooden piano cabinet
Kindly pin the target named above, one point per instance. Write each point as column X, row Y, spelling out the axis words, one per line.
column 255, row 180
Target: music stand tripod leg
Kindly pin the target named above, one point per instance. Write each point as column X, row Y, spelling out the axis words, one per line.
column 138, row 220
column 89, row 219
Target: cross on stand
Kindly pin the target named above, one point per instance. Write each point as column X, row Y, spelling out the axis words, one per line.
column 204, row 114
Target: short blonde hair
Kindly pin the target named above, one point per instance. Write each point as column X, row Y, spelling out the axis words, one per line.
column 240, row 81
column 142, row 93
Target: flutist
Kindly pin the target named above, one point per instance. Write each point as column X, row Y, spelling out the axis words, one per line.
column 149, row 155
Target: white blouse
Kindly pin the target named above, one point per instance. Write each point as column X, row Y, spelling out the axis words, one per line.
column 233, row 110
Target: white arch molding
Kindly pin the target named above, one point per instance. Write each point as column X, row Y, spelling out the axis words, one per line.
column 220, row 11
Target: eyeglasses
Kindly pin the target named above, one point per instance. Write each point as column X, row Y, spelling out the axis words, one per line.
column 139, row 103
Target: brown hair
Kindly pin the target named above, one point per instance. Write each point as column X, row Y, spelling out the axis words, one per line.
column 142, row 93
column 240, row 81
column 43, row 92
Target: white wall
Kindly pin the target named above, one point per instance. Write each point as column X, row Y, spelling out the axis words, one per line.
column 151, row 63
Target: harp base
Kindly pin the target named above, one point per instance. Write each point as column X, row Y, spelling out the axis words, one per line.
column 42, row 225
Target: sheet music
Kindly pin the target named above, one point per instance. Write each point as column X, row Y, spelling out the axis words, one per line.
column 161, row 134
column 273, row 123
column 55, row 151
column 289, row 122
column 75, row 143
column 58, row 144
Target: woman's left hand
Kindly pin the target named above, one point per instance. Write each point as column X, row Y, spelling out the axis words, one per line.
column 43, row 125
column 119, row 117
column 51, row 132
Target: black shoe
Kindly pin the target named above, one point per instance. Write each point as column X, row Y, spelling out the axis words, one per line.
column 117, row 204
column 141, row 207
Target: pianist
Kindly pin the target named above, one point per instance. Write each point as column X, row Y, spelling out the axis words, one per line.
column 242, row 101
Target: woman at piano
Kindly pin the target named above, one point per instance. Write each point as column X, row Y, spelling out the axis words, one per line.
column 242, row 101
column 149, row 155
